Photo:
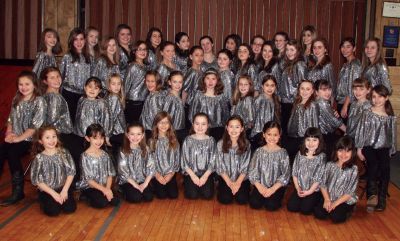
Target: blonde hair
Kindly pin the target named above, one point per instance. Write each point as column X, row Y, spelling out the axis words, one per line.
column 121, row 94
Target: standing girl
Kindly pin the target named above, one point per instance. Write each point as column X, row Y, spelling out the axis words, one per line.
column 182, row 46
column 167, row 64
column 246, row 65
column 268, row 64
column 374, row 67
column 269, row 170
column 224, row 61
column 97, row 170
column 27, row 114
column 233, row 158
column 339, row 183
column 256, row 43
column 307, row 36
column 280, row 41
column 231, row 43
column 376, row 142
column 123, row 35
column 49, row 47
column 75, row 70
column 209, row 99
column 135, row 166
column 52, row 171
column 165, row 152
column 198, row 160
column 92, row 46
column 153, row 40
column 135, row 87
column 210, row 61
column 307, row 173
column 194, row 73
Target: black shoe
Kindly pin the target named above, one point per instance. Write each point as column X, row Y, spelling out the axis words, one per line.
column 17, row 190
column 381, row 206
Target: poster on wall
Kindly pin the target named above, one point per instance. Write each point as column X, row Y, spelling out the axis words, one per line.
column 391, row 10
column 391, row 36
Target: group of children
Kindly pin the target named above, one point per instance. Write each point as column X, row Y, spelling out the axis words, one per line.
column 257, row 115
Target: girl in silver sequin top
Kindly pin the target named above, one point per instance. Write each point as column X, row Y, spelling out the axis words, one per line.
column 307, row 35
column 210, row 61
column 233, row 158
column 194, row 73
column 154, row 39
column 307, row 173
column 182, row 46
column 92, row 46
column 246, row 64
column 269, row 170
column 173, row 104
column 269, row 65
column 49, row 46
column 52, row 171
column 123, row 35
column 339, row 183
column 167, row 64
column 224, row 60
column 243, row 101
column 231, row 43
column 165, row 151
column 256, row 44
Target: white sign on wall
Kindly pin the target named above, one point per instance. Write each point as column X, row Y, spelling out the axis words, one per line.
column 391, row 10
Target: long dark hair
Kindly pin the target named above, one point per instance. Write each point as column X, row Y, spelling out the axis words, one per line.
column 345, row 143
column 104, row 54
column 94, row 130
column 383, row 91
column 199, row 114
column 36, row 92
column 126, row 147
column 191, row 51
column 57, row 49
column 378, row 59
column 43, row 76
column 269, row 125
column 172, row 140
column 242, row 141
column 74, row 54
column 312, row 132
column 289, row 64
column 148, row 38
column 312, row 63
column 96, row 48
column 219, row 87
column 275, row 97
column 38, row 147
column 180, row 52
column 236, row 38
column 274, row 59
column 298, row 98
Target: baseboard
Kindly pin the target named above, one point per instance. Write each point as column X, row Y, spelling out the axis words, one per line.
column 17, row 62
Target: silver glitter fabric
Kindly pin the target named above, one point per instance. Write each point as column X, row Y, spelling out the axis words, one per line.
column 301, row 119
column 181, row 63
column 355, row 111
column 192, row 80
column 327, row 120
column 245, row 109
column 198, row 155
column 117, row 117
column 326, row 73
column 95, row 168
column 174, row 106
column 269, row 167
column 376, row 131
column 227, row 78
column 124, row 60
column 103, row 72
column 308, row 171
column 135, row 86
column 378, row 74
column 52, row 170
column 152, row 60
column 287, row 88
column 250, row 70
column 275, row 71
column 164, row 72
column 91, row 112
column 28, row 115
column 43, row 61
column 135, row 167
column 153, row 104
column 264, row 109
column 57, row 113
column 231, row 163
column 93, row 62
column 216, row 107
column 74, row 74
column 205, row 65
column 339, row 182
column 348, row 73
column 167, row 160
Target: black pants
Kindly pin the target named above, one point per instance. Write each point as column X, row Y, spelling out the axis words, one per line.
column 272, row 203
column 292, row 146
column 225, row 196
column 337, row 215
column 133, row 195
column 192, row 191
column 378, row 168
column 116, row 142
column 72, row 101
column 76, row 147
column 133, row 110
column 181, row 135
column 52, row 208
column 330, row 140
column 169, row 190
column 97, row 199
column 217, row 133
column 13, row 152
column 257, row 141
column 286, row 111
column 304, row 205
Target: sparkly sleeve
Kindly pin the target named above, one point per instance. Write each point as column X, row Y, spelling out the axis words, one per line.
column 110, row 166
column 295, row 168
column 301, row 73
column 38, row 65
column 100, row 71
column 285, row 168
column 211, row 165
column 350, row 188
column 361, row 134
column 326, row 115
column 325, row 178
column 69, row 163
column 123, row 168
column 319, row 171
column 383, row 74
column 63, row 66
column 38, row 113
column 220, row 165
column 394, row 136
column 252, row 72
column 105, row 117
column 150, row 169
column 276, row 72
column 254, row 169
column 86, row 169
column 194, row 103
column 355, row 73
column 331, row 77
column 245, row 161
column 249, row 108
column 36, row 172
column 185, row 155
column 177, row 159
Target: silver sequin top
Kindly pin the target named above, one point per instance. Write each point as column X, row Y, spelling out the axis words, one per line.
column 103, row 72
column 27, row 115
column 124, row 61
column 245, row 109
column 192, row 80
column 135, row 86
column 231, row 163
column 167, row 160
column 52, row 170
column 153, row 104
column 275, row 71
column 251, row 71
column 348, row 73
column 152, row 60
column 42, row 61
column 301, row 119
column 355, row 111
column 57, row 113
column 181, row 63
column 376, row 131
column 377, row 74
column 269, row 167
column 198, row 155
column 90, row 112
column 227, row 78
column 95, row 168
column 164, row 72
column 174, row 106
column 287, row 88
column 308, row 171
column 117, row 117
column 216, row 107
column 264, row 109
column 75, row 74
column 338, row 182
column 205, row 65
column 134, row 166
column 327, row 120
column 326, row 73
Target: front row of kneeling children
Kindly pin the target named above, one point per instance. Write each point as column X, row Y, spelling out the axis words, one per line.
column 146, row 169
